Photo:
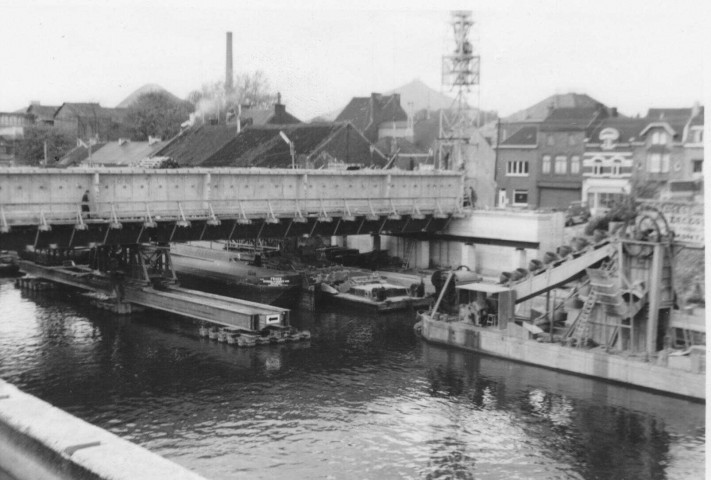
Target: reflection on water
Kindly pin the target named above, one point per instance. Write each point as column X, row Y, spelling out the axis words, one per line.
column 364, row 399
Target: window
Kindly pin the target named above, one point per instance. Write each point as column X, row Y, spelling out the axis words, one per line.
column 659, row 138
column 517, row 168
column 597, row 168
column 546, row 165
column 665, row 163
column 654, row 163
column 575, row 164
column 520, row 197
column 616, row 168
column 697, row 166
column 561, row 165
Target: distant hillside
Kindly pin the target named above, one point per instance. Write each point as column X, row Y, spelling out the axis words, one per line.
column 421, row 96
column 148, row 88
column 540, row 110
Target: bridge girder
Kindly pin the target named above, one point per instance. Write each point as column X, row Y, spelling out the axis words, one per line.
column 107, row 233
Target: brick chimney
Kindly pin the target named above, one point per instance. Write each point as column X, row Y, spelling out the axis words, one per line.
column 228, row 68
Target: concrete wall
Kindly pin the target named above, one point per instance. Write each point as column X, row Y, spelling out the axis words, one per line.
column 546, row 229
column 41, row 442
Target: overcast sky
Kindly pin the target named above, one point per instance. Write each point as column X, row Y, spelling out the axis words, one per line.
column 319, row 54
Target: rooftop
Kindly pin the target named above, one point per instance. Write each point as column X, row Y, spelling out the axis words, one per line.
column 362, row 111
column 194, row 145
column 525, row 136
column 263, row 146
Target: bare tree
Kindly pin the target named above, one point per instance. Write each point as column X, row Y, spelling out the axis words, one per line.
column 250, row 89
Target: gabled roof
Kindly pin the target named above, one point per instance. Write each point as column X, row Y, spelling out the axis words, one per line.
column 42, row 112
column 364, row 111
column 629, row 129
column 698, row 119
column 671, row 119
column 539, row 111
column 263, row 146
column 91, row 110
column 124, row 153
column 78, row 154
column 525, row 137
column 193, row 146
column 668, row 114
column 358, row 112
column 276, row 116
column 572, row 119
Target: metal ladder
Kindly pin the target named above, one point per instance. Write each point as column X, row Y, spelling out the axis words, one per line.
column 581, row 330
column 409, row 248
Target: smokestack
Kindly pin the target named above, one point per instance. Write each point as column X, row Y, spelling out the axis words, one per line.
column 228, row 71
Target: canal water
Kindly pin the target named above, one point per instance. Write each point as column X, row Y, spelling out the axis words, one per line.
column 364, row 399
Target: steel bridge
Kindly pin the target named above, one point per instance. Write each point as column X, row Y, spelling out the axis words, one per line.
column 43, row 207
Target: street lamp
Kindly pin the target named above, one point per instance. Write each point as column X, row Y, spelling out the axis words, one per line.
column 291, row 148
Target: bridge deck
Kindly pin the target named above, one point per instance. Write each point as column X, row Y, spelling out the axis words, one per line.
column 48, row 202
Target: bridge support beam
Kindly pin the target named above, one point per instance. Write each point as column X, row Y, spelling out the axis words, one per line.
column 422, row 254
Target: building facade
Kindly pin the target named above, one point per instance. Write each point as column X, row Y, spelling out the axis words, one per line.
column 669, row 155
column 12, row 128
column 561, row 145
column 516, row 169
column 608, row 163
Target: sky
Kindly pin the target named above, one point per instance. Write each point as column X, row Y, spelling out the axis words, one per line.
column 629, row 54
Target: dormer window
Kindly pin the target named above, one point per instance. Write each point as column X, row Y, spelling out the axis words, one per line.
column 659, row 138
column 697, row 135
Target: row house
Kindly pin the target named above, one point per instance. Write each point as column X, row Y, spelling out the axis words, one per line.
column 516, row 173
column 669, row 156
column 540, row 165
column 660, row 155
column 562, row 138
column 608, row 162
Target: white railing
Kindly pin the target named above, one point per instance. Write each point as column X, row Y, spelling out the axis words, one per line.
column 149, row 212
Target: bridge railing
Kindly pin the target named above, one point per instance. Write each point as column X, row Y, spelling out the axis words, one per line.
column 248, row 209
